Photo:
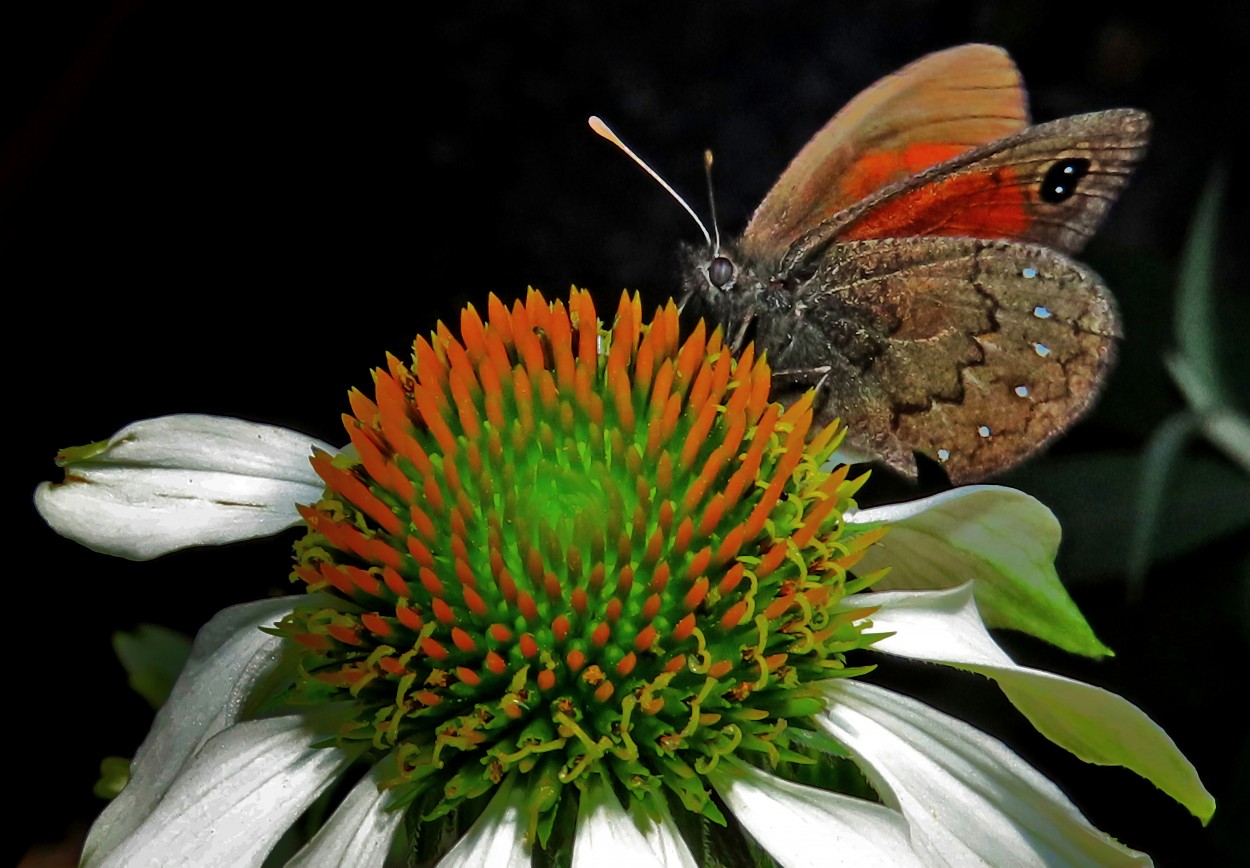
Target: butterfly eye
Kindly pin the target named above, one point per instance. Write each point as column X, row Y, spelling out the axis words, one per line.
column 720, row 271
column 1061, row 179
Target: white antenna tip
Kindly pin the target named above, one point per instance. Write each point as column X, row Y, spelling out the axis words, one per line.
column 597, row 124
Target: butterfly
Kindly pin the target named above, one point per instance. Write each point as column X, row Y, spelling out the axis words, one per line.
column 912, row 264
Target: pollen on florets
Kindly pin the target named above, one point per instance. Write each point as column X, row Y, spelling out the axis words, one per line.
column 564, row 549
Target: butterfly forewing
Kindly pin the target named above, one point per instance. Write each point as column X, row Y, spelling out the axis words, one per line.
column 1052, row 184
column 987, row 349
column 941, row 105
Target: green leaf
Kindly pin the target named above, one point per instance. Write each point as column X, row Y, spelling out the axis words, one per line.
column 1196, row 325
column 152, row 657
column 1094, row 496
column 1157, row 462
column 114, row 775
column 1002, row 539
column 1230, row 431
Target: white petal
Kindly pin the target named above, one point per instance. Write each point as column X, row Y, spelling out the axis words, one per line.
column 960, row 534
column 1094, row 724
column 803, row 826
column 359, row 833
column 967, row 799
column 230, row 657
column 497, row 837
column 177, row 481
column 607, row 835
column 1003, row 539
column 236, row 797
column 663, row 836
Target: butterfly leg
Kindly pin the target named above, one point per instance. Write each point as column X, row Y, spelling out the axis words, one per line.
column 685, row 299
column 815, row 377
column 740, row 336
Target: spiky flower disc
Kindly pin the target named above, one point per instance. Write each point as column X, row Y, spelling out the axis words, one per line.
column 567, row 551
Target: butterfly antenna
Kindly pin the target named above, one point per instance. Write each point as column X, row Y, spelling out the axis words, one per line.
column 604, row 130
column 711, row 200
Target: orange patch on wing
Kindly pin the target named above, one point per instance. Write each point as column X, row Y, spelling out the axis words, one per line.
column 875, row 170
column 973, row 205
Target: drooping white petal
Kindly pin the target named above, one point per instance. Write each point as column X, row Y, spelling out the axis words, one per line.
column 806, row 827
column 497, row 837
column 229, row 659
column 967, row 799
column 663, row 837
column 233, row 799
column 608, row 835
column 359, row 833
column 1002, row 539
column 177, row 481
column 1094, row 724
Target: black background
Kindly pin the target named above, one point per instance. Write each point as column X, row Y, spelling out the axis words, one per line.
column 237, row 208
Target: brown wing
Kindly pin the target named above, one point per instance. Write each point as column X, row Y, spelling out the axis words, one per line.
column 939, row 106
column 987, row 349
column 1051, row 184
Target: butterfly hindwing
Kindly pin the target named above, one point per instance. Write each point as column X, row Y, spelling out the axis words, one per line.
column 973, row 352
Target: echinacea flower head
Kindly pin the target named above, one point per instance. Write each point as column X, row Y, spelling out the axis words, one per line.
column 562, row 570
column 577, row 593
